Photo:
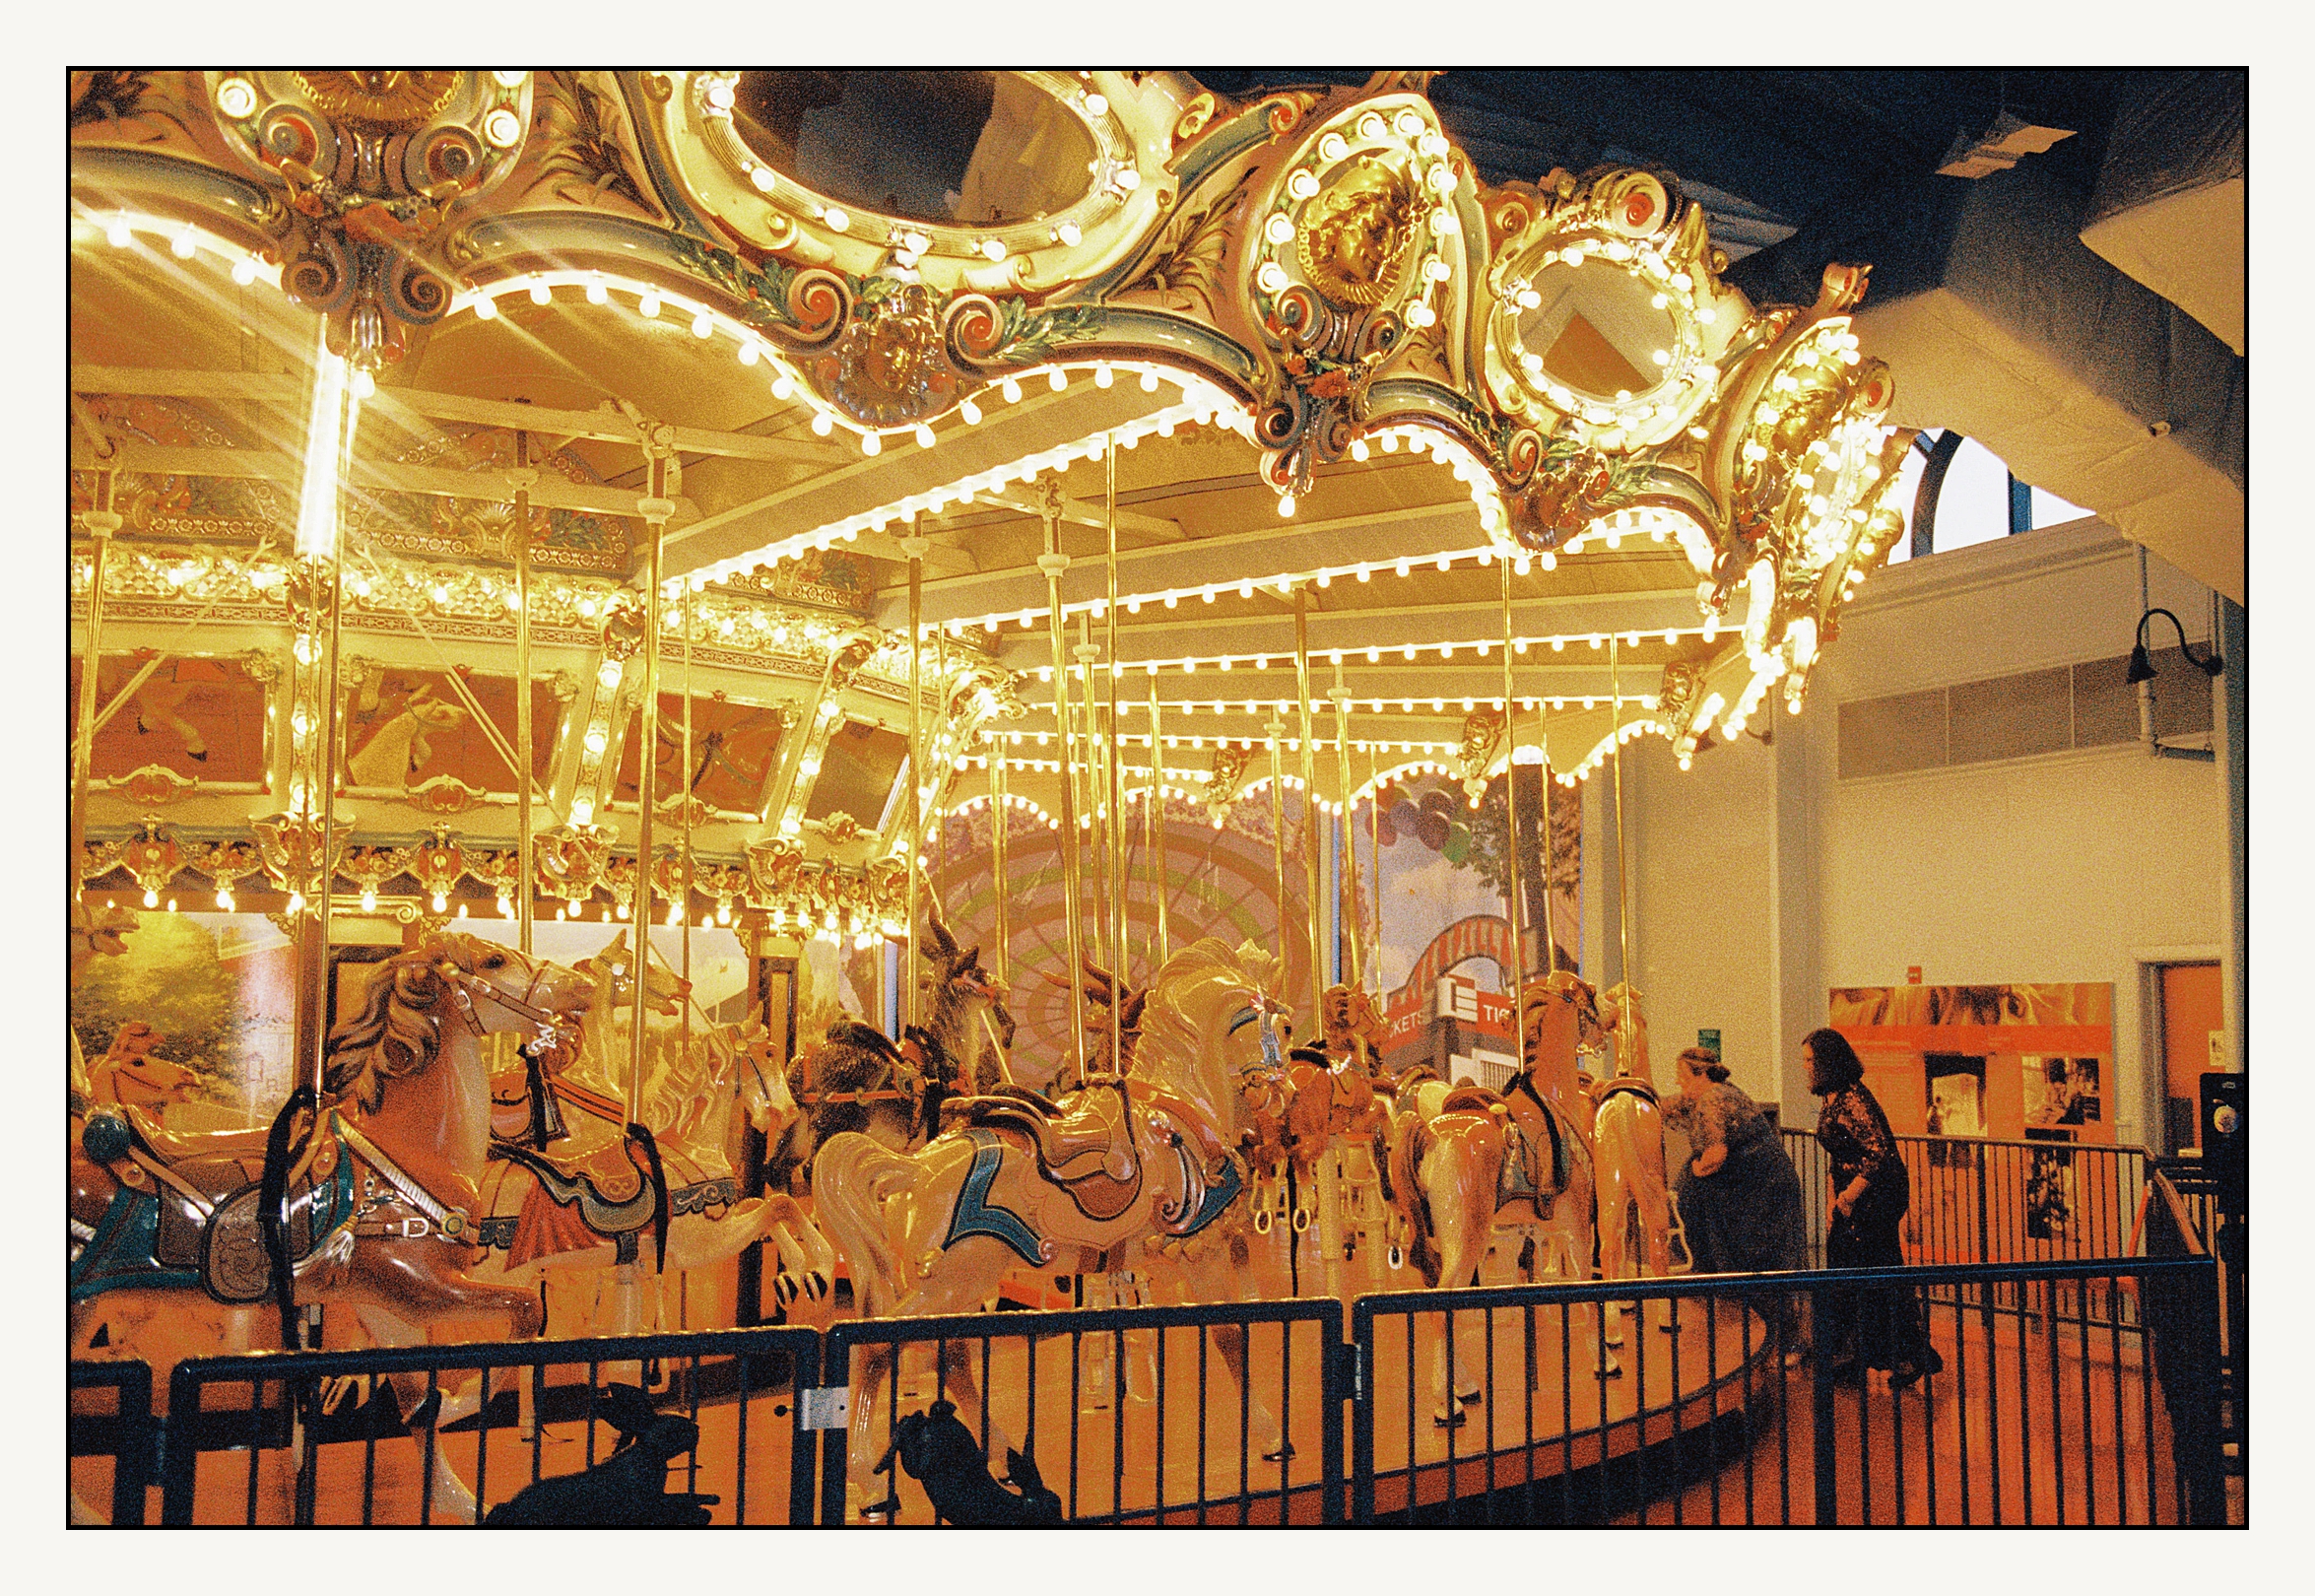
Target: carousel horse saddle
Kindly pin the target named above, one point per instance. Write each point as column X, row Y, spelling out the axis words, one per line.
column 1528, row 1171
column 603, row 1167
column 1093, row 1138
column 1630, row 1085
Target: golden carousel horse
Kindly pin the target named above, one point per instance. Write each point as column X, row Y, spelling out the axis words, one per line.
column 1467, row 1161
column 364, row 1197
column 1638, row 1211
column 1146, row 1162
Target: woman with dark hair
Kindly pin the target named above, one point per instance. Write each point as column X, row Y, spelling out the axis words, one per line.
column 1874, row 1329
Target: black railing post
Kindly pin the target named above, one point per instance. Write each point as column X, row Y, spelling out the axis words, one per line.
column 1344, row 1383
column 1820, row 1402
column 836, row 1449
column 177, row 1454
column 1363, row 1414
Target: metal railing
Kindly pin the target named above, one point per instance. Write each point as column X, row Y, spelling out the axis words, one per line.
column 1129, row 1414
column 384, row 1435
column 123, row 1431
column 1978, row 1200
column 2035, row 1418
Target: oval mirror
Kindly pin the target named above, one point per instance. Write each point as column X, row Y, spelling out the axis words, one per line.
column 964, row 149
column 1599, row 332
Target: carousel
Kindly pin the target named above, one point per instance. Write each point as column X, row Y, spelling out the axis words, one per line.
column 736, row 697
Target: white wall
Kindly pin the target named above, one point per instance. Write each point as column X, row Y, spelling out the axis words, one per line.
column 1760, row 877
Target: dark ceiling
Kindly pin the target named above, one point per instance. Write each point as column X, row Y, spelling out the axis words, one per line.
column 1841, row 159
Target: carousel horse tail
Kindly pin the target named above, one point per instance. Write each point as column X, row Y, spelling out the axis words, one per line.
column 659, row 1200
column 850, row 1178
column 273, row 1215
column 1406, row 1196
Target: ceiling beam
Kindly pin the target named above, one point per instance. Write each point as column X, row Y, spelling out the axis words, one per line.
column 403, row 406
column 274, row 466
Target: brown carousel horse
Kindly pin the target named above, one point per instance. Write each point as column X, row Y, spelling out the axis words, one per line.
column 1638, row 1212
column 1466, row 1161
column 1147, row 1162
column 857, row 1079
column 363, row 1197
column 1321, row 1095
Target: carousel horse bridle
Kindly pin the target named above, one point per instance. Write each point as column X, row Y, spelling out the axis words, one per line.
column 465, row 987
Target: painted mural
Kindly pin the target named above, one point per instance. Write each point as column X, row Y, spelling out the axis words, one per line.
column 405, row 728
column 201, row 718
column 1437, row 908
column 734, row 749
column 194, row 1018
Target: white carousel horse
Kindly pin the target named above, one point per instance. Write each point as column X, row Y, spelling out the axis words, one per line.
column 1628, row 1147
column 379, row 1179
column 1147, row 1162
column 1467, row 1163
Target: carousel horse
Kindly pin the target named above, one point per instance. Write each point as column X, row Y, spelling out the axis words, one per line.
column 1467, row 1161
column 128, row 1073
column 857, row 1079
column 1638, row 1211
column 1144, row 1164
column 363, row 1196
column 1324, row 1094
column 640, row 1197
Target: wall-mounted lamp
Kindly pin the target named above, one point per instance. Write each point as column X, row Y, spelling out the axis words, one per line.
column 2141, row 668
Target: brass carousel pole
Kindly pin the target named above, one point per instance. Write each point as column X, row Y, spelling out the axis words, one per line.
column 1153, row 823
column 1090, row 798
column 1624, row 1043
column 1053, row 562
column 1329, row 1203
column 1313, row 862
column 101, row 523
column 1346, row 899
column 1544, row 745
column 656, row 510
column 326, row 720
column 525, row 865
column 1278, row 823
column 1117, row 828
column 914, row 546
column 1518, row 972
column 1000, row 823
column 683, row 888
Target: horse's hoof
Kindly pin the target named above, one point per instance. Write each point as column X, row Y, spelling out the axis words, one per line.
column 1611, row 1370
column 1284, row 1455
column 1450, row 1420
column 1471, row 1395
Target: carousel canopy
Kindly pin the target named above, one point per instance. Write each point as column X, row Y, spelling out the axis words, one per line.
column 424, row 417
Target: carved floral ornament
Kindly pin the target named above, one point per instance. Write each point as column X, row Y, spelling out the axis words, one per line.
column 1318, row 269
column 574, row 864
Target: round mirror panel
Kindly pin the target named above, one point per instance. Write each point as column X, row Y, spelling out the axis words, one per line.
column 961, row 149
column 1598, row 332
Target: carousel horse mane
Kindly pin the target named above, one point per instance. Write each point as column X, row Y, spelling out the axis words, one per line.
column 396, row 1031
column 1175, row 1048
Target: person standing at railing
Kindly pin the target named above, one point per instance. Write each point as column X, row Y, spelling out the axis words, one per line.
column 1738, row 1195
column 1872, row 1329
column 1739, row 1198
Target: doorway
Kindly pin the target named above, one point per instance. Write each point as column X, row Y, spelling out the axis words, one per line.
column 2193, row 1029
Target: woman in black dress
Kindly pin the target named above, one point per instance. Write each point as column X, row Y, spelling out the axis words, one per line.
column 1872, row 1329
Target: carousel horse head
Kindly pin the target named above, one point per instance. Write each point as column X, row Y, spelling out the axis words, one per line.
column 399, row 1026
column 958, row 973
column 1561, row 999
column 612, row 968
column 136, row 1075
